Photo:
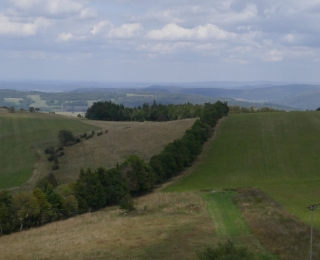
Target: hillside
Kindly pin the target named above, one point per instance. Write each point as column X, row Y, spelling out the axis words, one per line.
column 276, row 152
column 144, row 139
column 181, row 225
column 24, row 136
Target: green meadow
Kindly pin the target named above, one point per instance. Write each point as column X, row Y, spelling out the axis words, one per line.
column 276, row 152
column 21, row 134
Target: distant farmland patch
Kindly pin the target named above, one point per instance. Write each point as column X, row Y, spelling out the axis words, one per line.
column 38, row 102
column 276, row 152
column 139, row 95
column 13, row 100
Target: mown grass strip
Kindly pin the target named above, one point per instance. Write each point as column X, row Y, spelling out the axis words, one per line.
column 225, row 214
column 229, row 224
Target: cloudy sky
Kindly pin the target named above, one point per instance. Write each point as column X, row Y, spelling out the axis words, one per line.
column 160, row 40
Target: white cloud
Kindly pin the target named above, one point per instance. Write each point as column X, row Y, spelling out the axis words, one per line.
column 173, row 31
column 53, row 8
column 273, row 55
column 290, row 37
column 97, row 28
column 126, row 31
column 24, row 4
column 164, row 48
column 21, row 28
column 63, row 6
column 64, row 37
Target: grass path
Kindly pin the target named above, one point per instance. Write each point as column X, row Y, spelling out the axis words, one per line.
column 225, row 215
column 228, row 222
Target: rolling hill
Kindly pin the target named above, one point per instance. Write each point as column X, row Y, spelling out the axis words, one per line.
column 276, row 152
column 25, row 136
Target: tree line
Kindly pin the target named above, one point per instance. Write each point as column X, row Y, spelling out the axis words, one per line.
column 101, row 187
column 110, row 111
column 243, row 110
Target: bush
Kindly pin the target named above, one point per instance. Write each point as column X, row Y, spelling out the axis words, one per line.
column 226, row 251
column 55, row 167
column 100, row 133
column 66, row 137
column 84, row 135
column 49, row 150
column 106, row 131
column 127, row 203
column 61, row 154
column 60, row 149
column 50, row 178
column 52, row 157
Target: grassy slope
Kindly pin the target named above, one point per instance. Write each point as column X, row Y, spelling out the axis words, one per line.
column 178, row 228
column 181, row 226
column 277, row 152
column 123, row 139
column 24, row 136
column 19, row 133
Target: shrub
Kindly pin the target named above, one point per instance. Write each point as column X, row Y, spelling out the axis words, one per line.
column 60, row 149
column 66, row 137
column 225, row 251
column 49, row 150
column 127, row 203
column 100, row 133
column 55, row 167
column 106, row 131
column 50, row 178
column 61, row 154
column 52, row 157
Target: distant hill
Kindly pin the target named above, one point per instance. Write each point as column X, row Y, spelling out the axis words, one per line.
column 298, row 96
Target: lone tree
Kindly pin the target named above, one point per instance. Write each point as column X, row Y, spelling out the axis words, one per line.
column 66, row 137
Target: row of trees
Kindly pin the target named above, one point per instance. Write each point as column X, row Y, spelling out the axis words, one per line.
column 110, row 111
column 98, row 188
column 242, row 110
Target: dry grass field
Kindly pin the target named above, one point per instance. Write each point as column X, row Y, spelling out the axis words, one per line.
column 175, row 230
column 3, row 111
column 144, row 139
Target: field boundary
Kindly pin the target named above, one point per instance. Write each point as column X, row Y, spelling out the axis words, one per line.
column 188, row 171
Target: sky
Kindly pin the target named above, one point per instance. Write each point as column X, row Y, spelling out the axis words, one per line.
column 160, row 41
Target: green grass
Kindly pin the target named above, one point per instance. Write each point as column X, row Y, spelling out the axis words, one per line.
column 20, row 133
column 277, row 152
column 225, row 215
column 228, row 222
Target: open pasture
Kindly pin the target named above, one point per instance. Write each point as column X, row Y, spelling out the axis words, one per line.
column 23, row 137
column 164, row 226
column 123, row 139
column 276, row 152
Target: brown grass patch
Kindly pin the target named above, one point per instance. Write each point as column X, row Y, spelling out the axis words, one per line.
column 3, row 111
column 172, row 231
column 143, row 139
column 278, row 231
